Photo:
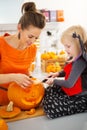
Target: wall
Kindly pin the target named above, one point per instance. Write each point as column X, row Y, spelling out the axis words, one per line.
column 74, row 10
column 10, row 11
column 74, row 13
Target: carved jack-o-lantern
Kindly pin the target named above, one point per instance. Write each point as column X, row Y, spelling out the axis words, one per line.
column 27, row 98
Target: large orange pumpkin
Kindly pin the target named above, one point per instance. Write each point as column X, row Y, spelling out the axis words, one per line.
column 27, row 98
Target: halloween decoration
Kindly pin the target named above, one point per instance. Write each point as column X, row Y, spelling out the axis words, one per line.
column 9, row 111
column 31, row 111
column 26, row 98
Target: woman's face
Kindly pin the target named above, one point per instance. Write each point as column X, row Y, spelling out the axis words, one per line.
column 29, row 36
column 72, row 48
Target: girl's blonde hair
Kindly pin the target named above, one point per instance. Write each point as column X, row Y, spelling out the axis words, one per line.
column 78, row 30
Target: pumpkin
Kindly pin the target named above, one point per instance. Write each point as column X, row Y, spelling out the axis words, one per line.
column 3, row 96
column 31, row 111
column 48, row 55
column 9, row 111
column 26, row 98
column 3, row 125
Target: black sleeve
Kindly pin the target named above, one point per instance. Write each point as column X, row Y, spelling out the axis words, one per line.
column 77, row 68
column 61, row 74
column 84, row 53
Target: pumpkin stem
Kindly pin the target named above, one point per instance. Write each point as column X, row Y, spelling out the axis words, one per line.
column 10, row 106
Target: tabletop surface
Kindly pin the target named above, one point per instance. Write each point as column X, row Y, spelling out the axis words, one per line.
column 74, row 122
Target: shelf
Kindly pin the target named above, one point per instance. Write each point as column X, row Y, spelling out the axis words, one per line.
column 53, row 25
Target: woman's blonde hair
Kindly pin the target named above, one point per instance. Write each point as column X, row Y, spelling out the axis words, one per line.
column 78, row 30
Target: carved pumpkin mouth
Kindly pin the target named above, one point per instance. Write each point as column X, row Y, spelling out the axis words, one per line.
column 30, row 99
column 31, row 103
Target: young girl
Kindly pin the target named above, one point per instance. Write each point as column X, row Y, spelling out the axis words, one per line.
column 69, row 96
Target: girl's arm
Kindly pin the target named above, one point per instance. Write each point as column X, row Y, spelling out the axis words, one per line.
column 77, row 69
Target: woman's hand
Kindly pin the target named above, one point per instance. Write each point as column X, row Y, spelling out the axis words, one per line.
column 21, row 79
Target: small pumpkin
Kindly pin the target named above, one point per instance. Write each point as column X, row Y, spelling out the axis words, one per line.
column 3, row 125
column 31, row 111
column 9, row 111
column 27, row 98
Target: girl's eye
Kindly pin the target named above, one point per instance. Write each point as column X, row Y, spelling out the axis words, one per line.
column 36, row 38
column 68, row 46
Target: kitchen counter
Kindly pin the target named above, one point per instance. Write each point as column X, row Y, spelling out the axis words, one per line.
column 74, row 122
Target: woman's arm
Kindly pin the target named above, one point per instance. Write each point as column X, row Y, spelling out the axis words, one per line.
column 5, row 78
column 21, row 79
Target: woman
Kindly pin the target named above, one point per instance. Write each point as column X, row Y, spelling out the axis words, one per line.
column 69, row 96
column 17, row 52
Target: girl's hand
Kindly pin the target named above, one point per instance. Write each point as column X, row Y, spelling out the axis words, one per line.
column 51, row 76
column 49, row 81
column 21, row 79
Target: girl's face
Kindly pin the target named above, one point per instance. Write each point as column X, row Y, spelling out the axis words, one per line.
column 29, row 36
column 72, row 48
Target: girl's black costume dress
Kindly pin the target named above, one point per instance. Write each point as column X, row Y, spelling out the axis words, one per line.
column 69, row 96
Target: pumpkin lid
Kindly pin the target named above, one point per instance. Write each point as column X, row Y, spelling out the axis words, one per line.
column 9, row 112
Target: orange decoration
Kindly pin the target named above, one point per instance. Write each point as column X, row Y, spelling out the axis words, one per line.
column 60, row 15
column 27, row 98
column 9, row 114
column 32, row 67
column 31, row 111
column 3, row 125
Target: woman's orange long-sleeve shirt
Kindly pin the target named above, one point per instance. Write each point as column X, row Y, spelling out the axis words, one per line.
column 15, row 61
